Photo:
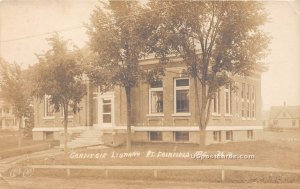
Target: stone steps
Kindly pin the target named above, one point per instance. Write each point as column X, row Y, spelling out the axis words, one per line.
column 89, row 137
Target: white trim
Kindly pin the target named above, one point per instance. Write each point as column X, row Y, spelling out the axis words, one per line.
column 188, row 128
column 174, row 95
column 37, row 129
column 181, row 114
column 155, row 128
column 155, row 115
column 216, row 114
column 48, row 117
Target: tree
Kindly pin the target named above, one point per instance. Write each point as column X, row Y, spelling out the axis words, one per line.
column 119, row 37
column 216, row 40
column 58, row 74
column 13, row 88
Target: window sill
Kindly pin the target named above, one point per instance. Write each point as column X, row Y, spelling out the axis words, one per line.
column 216, row 114
column 69, row 117
column 155, row 115
column 228, row 115
column 48, row 117
column 181, row 114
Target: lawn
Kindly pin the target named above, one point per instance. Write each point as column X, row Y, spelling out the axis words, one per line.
column 267, row 154
column 9, row 145
column 8, row 142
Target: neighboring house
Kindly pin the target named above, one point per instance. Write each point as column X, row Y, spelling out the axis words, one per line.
column 285, row 116
column 164, row 111
column 7, row 118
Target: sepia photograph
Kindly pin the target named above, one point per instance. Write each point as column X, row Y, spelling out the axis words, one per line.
column 149, row 94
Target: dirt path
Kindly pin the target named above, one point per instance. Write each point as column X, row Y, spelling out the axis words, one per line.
column 75, row 183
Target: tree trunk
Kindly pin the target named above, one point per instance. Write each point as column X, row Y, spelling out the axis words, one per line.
column 128, row 105
column 203, row 113
column 66, row 127
column 20, row 133
column 197, row 109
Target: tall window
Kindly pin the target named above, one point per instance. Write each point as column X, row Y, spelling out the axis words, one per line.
column 253, row 103
column 243, row 101
column 227, row 99
column 156, row 98
column 49, row 108
column 216, row 103
column 70, row 111
column 182, row 95
column 243, row 90
column 248, row 101
column 243, row 109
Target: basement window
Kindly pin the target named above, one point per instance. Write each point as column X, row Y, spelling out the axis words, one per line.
column 155, row 136
column 181, row 136
column 229, row 135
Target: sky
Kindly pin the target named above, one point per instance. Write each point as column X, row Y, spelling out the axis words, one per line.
column 25, row 24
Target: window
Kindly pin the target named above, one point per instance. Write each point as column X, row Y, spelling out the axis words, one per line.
column 228, row 99
column 243, row 90
column 248, row 109
column 181, row 136
column 217, row 136
column 156, row 97
column 250, row 134
column 253, row 103
column 182, row 95
column 6, row 110
column 106, row 110
column 155, row 136
column 229, row 135
column 248, row 91
column 293, row 122
column 49, row 108
column 216, row 103
column 243, row 109
column 49, row 135
column 70, row 111
column 275, row 122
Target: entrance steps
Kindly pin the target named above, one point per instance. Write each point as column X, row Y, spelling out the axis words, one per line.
column 88, row 137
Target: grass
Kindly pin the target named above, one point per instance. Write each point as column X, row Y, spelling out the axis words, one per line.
column 9, row 145
column 280, row 155
column 266, row 154
column 11, row 142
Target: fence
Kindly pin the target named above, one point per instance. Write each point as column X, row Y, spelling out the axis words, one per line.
column 155, row 169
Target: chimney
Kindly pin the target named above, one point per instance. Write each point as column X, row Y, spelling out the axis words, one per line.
column 284, row 104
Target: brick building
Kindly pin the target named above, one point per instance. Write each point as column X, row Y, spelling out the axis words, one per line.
column 164, row 111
